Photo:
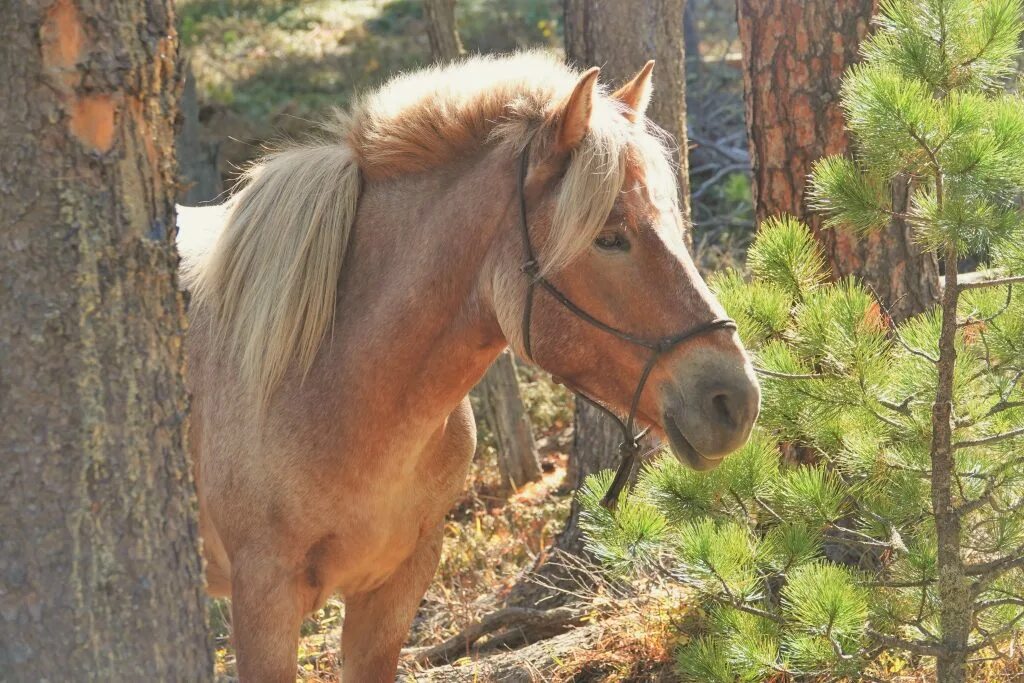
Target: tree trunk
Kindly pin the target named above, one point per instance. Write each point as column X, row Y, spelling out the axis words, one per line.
column 197, row 157
column 99, row 547
column 595, row 447
column 444, row 38
column 620, row 37
column 691, row 37
column 507, row 418
column 795, row 53
column 954, row 587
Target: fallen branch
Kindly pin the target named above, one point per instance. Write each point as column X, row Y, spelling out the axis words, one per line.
column 533, row 623
column 536, row 662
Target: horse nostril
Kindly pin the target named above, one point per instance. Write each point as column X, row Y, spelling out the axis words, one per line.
column 722, row 410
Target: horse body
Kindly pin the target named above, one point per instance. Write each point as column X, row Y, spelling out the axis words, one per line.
column 331, row 474
column 335, row 474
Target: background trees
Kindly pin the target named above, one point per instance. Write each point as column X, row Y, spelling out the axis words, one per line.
column 497, row 394
column 795, row 53
column 100, row 559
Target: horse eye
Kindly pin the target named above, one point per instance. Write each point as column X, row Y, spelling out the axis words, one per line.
column 612, row 241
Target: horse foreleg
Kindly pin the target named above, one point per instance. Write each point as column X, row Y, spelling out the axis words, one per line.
column 266, row 613
column 377, row 622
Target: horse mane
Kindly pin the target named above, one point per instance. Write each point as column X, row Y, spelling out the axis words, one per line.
column 270, row 278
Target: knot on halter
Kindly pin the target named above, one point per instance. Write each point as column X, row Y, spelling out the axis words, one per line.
column 628, row 448
column 664, row 345
column 531, row 268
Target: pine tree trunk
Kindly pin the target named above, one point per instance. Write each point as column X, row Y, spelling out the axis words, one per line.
column 99, row 547
column 507, row 418
column 620, row 37
column 444, row 38
column 954, row 587
column 199, row 177
column 795, row 53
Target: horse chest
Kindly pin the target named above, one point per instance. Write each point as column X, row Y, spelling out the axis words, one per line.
column 392, row 506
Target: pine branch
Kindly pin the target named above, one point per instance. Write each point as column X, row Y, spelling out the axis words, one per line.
column 976, row 321
column 903, row 407
column 991, row 604
column 977, row 284
column 1012, row 434
column 910, row 349
column 993, row 568
column 995, row 636
column 784, row 375
column 1004, row 405
column 923, row 583
column 767, row 508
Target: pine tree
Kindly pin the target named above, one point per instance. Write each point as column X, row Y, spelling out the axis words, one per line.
column 917, row 425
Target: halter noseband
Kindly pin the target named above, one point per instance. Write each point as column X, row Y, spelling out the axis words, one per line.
column 630, row 446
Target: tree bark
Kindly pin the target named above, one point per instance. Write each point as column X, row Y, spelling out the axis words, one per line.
column 99, row 546
column 795, row 53
column 444, row 37
column 507, row 418
column 620, row 37
column 954, row 588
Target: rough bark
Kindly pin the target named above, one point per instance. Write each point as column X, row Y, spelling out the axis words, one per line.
column 444, row 38
column 795, row 53
column 540, row 661
column 99, row 546
column 506, row 416
column 620, row 37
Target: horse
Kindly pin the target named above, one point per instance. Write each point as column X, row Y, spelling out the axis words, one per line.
column 349, row 294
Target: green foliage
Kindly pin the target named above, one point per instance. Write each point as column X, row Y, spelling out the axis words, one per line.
column 810, row 494
column 633, row 534
column 848, row 196
column 788, row 257
column 759, row 538
column 705, row 661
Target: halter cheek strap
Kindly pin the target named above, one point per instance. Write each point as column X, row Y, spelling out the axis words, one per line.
column 629, row 449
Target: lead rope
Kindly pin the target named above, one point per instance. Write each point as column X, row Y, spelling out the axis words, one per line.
column 629, row 449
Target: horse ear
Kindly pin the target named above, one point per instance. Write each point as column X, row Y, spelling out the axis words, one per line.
column 574, row 114
column 637, row 93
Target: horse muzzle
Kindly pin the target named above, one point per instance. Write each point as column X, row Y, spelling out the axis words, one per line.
column 710, row 410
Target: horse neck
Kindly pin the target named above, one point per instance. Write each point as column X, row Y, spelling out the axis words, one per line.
column 414, row 302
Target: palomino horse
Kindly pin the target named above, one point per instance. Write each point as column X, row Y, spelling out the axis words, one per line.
column 347, row 298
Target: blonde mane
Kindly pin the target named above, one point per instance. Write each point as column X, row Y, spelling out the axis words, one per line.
column 271, row 276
